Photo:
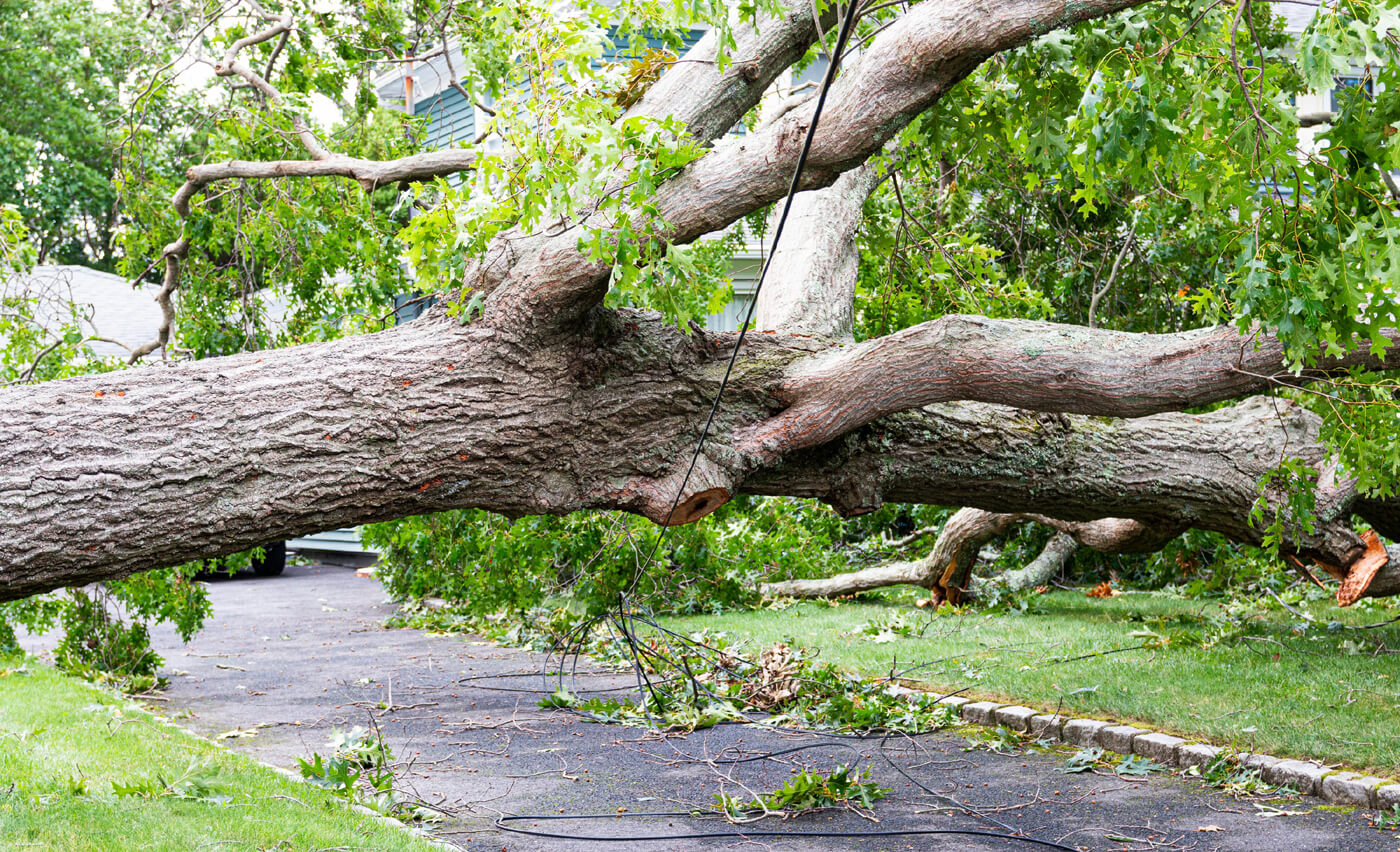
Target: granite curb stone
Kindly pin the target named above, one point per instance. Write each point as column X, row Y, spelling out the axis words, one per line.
column 1306, row 777
column 954, row 701
column 1047, row 725
column 1346, row 788
column 1196, row 754
column 1161, row 748
column 981, row 712
column 1261, row 762
column 1119, row 738
column 1015, row 717
column 1300, row 775
column 1082, row 732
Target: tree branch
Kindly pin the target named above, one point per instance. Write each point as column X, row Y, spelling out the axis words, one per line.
column 817, row 264
column 1033, row 365
column 710, row 102
column 369, row 173
column 231, row 66
column 907, row 69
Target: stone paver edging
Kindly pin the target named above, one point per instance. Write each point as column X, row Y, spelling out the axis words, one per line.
column 1306, row 776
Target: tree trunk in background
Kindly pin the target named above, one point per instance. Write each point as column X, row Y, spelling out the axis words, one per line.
column 1039, row 571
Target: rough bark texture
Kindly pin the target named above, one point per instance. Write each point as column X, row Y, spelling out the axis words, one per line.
column 549, row 403
column 813, row 288
column 1028, row 364
column 105, row 475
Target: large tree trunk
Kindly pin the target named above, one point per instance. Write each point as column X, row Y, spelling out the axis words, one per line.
column 105, row 475
column 548, row 403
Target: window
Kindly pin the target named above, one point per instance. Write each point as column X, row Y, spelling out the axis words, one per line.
column 1339, row 93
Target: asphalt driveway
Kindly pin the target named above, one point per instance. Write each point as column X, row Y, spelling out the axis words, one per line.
column 287, row 659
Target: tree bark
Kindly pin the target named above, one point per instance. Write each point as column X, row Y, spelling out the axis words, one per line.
column 548, row 403
column 817, row 262
column 105, row 475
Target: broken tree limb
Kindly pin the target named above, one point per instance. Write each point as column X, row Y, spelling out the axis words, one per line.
column 1039, row 571
column 963, row 535
column 435, row 415
column 948, row 569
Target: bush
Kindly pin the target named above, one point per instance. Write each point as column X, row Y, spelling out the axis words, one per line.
column 105, row 626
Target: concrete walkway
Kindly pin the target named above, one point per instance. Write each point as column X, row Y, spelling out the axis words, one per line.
column 287, row 659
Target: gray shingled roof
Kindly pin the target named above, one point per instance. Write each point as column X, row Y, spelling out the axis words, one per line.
column 114, row 309
column 1298, row 15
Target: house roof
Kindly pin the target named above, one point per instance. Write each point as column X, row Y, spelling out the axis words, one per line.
column 113, row 309
column 1297, row 15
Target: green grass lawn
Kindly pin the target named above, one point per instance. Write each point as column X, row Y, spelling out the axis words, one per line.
column 66, row 748
column 1331, row 694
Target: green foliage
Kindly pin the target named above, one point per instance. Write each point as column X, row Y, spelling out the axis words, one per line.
column 106, row 634
column 597, row 170
column 806, row 791
column 704, row 680
column 16, row 251
column 1136, row 765
column 1295, row 479
column 319, row 256
column 1083, row 760
column 94, row 640
column 199, row 782
column 62, row 79
column 361, row 769
column 1225, row 773
column 1387, row 820
column 337, row 774
column 484, row 562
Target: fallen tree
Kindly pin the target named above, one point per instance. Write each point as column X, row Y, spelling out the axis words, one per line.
column 526, row 395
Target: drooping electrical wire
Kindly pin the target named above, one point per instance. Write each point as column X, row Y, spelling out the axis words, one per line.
column 623, row 621
column 504, row 823
column 848, row 21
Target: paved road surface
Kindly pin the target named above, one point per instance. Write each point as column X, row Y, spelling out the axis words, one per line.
column 304, row 653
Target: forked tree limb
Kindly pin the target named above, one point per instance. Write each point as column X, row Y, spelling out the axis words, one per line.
column 1034, row 365
column 232, row 65
column 550, row 284
column 953, row 553
column 175, row 252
